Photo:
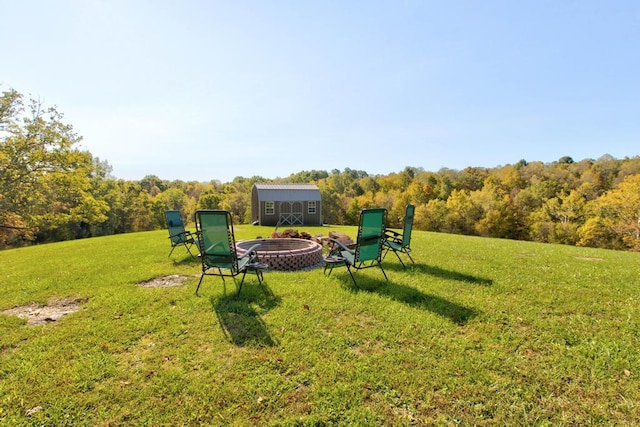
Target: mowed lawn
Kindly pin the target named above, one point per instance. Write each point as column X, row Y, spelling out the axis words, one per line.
column 478, row 331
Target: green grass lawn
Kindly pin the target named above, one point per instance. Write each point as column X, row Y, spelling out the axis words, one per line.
column 478, row 331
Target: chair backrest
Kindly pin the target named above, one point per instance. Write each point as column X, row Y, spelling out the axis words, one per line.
column 408, row 225
column 175, row 225
column 370, row 234
column 217, row 240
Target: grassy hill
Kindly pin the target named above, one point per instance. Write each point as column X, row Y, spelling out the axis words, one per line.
column 479, row 331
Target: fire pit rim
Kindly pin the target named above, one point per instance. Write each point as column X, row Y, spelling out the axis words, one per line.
column 307, row 253
column 307, row 244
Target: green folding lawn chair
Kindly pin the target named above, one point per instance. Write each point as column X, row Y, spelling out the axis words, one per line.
column 218, row 248
column 368, row 247
column 177, row 234
column 400, row 243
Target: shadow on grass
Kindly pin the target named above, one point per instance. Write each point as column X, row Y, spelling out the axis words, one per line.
column 239, row 315
column 440, row 272
column 187, row 260
column 457, row 313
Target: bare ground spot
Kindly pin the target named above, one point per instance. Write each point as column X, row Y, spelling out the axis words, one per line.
column 165, row 281
column 39, row 314
column 584, row 258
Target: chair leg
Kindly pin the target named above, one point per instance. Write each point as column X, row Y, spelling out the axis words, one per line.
column 189, row 249
column 172, row 248
column 383, row 272
column 201, row 277
column 399, row 259
column 325, row 270
column 351, row 274
column 409, row 255
column 244, row 273
column 260, row 276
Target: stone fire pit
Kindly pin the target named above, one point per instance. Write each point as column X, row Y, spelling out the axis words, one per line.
column 285, row 254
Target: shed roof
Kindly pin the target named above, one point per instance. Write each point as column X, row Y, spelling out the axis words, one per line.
column 287, row 192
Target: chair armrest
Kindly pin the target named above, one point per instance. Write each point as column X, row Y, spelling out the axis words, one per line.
column 337, row 246
column 390, row 233
column 182, row 233
column 393, row 236
column 252, row 251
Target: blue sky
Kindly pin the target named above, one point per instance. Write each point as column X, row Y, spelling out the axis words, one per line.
column 202, row 90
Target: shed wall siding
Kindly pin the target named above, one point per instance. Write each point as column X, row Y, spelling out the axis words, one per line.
column 307, row 219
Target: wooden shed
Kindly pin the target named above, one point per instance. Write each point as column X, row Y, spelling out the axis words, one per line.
column 286, row 204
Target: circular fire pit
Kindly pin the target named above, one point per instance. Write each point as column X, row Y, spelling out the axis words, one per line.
column 284, row 254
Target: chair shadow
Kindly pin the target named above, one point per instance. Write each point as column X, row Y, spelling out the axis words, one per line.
column 239, row 315
column 439, row 272
column 457, row 313
column 187, row 260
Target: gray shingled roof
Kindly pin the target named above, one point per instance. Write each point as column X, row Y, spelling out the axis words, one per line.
column 287, row 192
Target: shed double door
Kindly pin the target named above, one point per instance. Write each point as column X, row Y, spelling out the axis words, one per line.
column 291, row 213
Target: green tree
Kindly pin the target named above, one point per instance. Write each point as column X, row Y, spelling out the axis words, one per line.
column 152, row 185
column 566, row 160
column 46, row 183
column 443, row 186
column 332, row 210
column 72, row 210
column 306, row 177
column 239, row 204
column 471, row 179
column 209, row 200
column 175, row 199
column 369, row 184
column 606, row 169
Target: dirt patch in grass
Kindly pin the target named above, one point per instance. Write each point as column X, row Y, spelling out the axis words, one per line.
column 40, row 314
column 165, row 281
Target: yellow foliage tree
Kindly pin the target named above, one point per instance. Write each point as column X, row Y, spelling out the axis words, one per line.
column 618, row 210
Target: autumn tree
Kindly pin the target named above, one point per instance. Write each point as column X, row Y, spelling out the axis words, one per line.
column 462, row 213
column 499, row 217
column 431, row 216
column 616, row 213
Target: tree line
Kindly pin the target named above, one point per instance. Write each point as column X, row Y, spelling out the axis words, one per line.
column 51, row 191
